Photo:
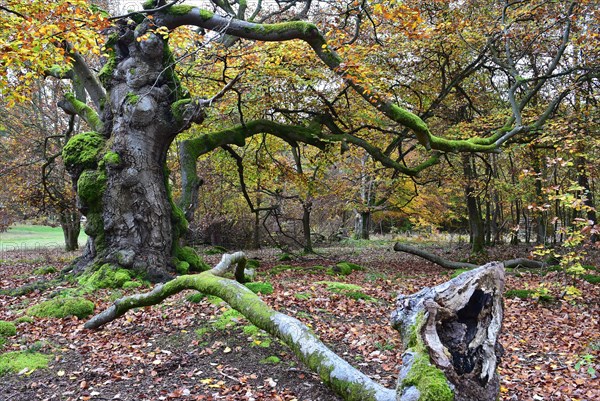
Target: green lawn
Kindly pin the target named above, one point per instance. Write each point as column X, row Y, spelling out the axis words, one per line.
column 25, row 236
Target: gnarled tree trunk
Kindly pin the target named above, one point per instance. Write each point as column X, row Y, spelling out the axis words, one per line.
column 119, row 169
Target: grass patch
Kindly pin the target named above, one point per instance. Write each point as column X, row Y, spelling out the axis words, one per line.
column 16, row 362
column 26, row 236
column 302, row 296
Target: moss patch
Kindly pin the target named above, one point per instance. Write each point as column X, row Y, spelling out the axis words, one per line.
column 270, row 360
column 189, row 255
column 24, row 319
column 591, row 278
column 63, row 307
column 522, row 294
column 229, row 318
column 346, row 268
column 7, row 329
column 264, row 288
column 352, row 291
column 44, row 270
column 17, row 361
column 195, row 297
column 82, row 150
column 106, row 276
column 458, row 272
column 90, row 187
column 215, row 250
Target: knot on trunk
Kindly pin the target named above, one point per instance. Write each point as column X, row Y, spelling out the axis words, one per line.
column 456, row 325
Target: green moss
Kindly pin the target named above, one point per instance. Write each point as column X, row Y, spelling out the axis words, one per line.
column 252, row 264
column 106, row 276
column 63, row 307
column 181, row 10
column 216, row 250
column 264, row 288
column 522, row 294
column 24, row 319
column 106, row 72
column 148, row 4
column 42, row 271
column 132, row 98
column 18, row 361
column 270, row 360
column 302, row 295
column 458, row 272
column 345, row 268
column 131, row 284
column 189, row 255
column 90, row 187
column 82, row 150
column 286, row 257
column 200, row 332
column 111, row 159
column 591, row 278
column 182, row 267
column 251, row 330
column 7, row 329
column 349, row 290
column 429, row 380
column 229, row 318
column 195, row 297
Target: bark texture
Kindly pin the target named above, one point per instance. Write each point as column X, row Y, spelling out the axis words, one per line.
column 453, row 327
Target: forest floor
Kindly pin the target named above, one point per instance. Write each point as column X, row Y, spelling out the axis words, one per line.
column 200, row 351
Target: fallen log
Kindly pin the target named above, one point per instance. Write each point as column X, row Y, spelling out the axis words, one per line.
column 453, row 265
column 422, row 377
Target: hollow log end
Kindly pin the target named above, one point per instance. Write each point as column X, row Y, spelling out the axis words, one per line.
column 451, row 332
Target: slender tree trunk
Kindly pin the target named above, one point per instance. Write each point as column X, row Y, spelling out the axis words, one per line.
column 71, row 226
column 476, row 228
column 306, row 208
column 583, row 181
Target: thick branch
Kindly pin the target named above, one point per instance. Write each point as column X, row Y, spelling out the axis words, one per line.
column 71, row 105
column 187, row 15
column 449, row 264
column 88, row 79
column 333, row 370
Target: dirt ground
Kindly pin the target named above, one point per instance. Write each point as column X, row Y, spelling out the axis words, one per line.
column 183, row 350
